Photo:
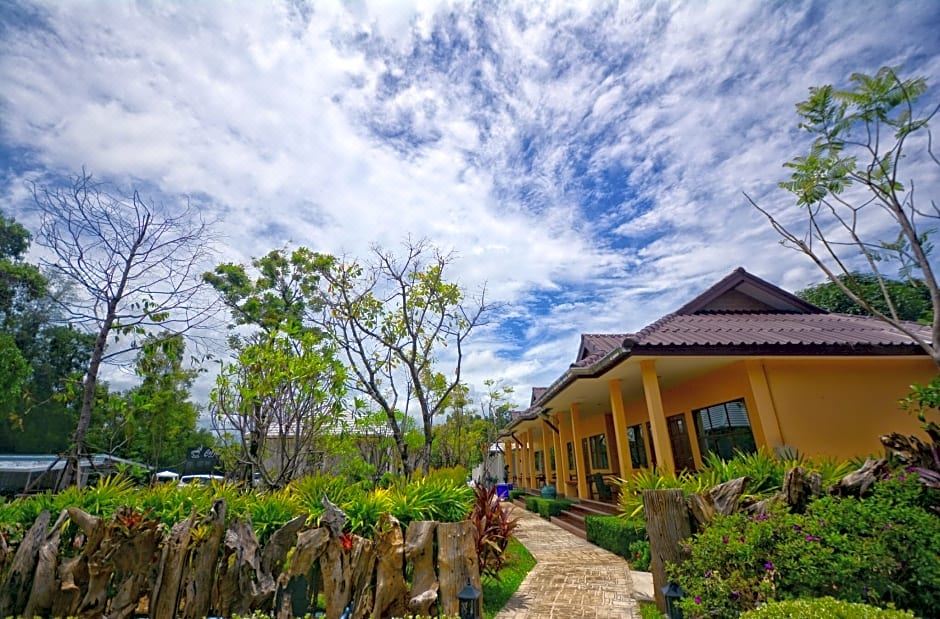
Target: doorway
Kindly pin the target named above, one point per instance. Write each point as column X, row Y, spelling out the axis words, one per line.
column 680, row 442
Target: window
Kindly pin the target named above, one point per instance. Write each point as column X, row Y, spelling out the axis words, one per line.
column 637, row 447
column 724, row 429
column 598, row 446
column 571, row 462
column 649, row 437
column 538, row 461
column 551, row 458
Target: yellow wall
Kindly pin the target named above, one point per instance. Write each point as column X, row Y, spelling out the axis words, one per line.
column 841, row 407
column 592, row 424
column 824, row 407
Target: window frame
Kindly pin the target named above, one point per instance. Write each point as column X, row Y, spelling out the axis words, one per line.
column 741, row 437
column 594, row 453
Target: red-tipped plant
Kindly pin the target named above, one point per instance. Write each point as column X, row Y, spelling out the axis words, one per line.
column 493, row 528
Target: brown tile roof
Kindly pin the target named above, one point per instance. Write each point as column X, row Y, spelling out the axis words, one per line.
column 537, row 393
column 595, row 345
column 764, row 328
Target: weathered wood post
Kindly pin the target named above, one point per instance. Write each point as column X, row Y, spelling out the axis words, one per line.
column 456, row 562
column 667, row 524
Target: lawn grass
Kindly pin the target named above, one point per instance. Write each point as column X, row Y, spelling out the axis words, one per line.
column 497, row 592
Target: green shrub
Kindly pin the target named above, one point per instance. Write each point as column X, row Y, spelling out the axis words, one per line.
column 621, row 537
column 516, row 493
column 546, row 508
column 823, row 608
column 882, row 549
column 455, row 474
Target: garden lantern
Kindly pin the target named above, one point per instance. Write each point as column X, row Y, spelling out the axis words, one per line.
column 672, row 592
column 469, row 598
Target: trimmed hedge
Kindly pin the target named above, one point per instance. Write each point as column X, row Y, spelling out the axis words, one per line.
column 546, row 508
column 620, row 537
column 516, row 493
column 823, row 608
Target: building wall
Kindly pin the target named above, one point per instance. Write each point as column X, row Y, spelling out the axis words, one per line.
column 841, row 407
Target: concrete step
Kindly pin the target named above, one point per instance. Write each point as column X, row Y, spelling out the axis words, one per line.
column 560, row 521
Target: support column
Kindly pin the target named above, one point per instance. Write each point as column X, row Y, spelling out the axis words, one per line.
column 559, row 476
column 620, row 429
column 578, row 455
column 766, row 420
column 511, row 461
column 654, row 408
column 546, row 443
column 693, row 441
column 530, row 458
column 564, row 425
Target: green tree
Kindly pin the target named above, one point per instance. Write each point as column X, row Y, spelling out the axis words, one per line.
column 857, row 209
column 279, row 396
column 402, row 326
column 911, row 297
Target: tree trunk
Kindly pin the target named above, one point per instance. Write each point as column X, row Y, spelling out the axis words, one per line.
column 16, row 587
column 45, row 583
column 456, row 563
column 197, row 588
column 390, row 589
column 362, row 559
column 166, row 592
column 134, row 554
column 72, row 473
column 667, row 524
column 419, row 551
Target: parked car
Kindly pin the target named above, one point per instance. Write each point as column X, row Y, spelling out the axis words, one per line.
column 205, row 480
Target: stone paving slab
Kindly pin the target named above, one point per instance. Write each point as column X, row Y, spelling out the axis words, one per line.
column 571, row 578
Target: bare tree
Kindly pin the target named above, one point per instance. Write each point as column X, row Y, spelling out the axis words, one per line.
column 393, row 319
column 279, row 398
column 851, row 185
column 131, row 266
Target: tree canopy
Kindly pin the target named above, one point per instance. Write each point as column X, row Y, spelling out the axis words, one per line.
column 911, row 298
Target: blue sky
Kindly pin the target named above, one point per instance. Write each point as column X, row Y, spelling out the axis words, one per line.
column 585, row 160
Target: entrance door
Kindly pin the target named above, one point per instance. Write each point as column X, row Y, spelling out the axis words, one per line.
column 679, row 439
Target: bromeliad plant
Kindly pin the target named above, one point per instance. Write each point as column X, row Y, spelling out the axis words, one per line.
column 493, row 529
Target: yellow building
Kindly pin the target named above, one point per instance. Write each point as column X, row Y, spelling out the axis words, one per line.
column 743, row 365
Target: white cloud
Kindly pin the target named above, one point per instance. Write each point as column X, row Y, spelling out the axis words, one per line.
column 585, row 160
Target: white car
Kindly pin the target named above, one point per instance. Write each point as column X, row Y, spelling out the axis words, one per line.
column 205, row 480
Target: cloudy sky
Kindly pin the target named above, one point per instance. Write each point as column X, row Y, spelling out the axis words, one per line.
column 585, row 160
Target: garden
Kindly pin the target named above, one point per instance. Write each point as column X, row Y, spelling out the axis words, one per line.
column 320, row 544
column 786, row 537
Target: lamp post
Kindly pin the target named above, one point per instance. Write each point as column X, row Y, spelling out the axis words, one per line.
column 672, row 592
column 469, row 602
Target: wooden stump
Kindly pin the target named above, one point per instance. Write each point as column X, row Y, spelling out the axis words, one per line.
column 297, row 584
column 199, row 578
column 857, row 483
column 390, row 588
column 419, row 551
column 164, row 603
column 133, row 552
column 14, row 594
column 800, row 487
column 456, row 563
column 667, row 524
column 241, row 583
column 280, row 543
column 362, row 561
column 45, row 583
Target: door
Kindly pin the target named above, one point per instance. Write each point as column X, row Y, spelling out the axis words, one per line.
column 679, row 439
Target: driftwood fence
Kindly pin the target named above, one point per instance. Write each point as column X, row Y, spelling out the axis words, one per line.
column 128, row 566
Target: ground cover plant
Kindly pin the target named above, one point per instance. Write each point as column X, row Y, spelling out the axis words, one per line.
column 883, row 549
column 430, row 498
column 824, row 608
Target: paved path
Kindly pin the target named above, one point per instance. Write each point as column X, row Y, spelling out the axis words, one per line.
column 571, row 579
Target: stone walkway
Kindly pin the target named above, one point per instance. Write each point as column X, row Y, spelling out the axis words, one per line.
column 571, row 578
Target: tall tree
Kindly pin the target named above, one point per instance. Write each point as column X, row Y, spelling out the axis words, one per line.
column 398, row 320
column 855, row 182
column 283, row 392
column 133, row 267
column 911, row 298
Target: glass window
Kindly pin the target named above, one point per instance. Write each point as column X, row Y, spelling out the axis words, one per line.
column 598, row 446
column 538, row 460
column 551, row 459
column 571, row 462
column 649, row 438
column 637, row 447
column 724, row 429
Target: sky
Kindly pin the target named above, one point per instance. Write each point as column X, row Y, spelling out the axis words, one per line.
column 585, row 161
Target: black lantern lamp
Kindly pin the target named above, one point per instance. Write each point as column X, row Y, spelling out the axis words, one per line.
column 470, row 602
column 672, row 592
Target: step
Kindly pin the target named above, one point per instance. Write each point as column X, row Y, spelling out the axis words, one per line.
column 567, row 526
column 589, row 510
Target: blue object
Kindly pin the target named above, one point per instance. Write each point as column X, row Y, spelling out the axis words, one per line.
column 549, row 492
column 502, row 491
